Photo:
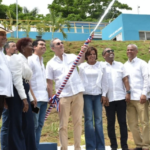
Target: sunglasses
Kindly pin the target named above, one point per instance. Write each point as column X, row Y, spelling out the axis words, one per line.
column 59, row 43
column 108, row 51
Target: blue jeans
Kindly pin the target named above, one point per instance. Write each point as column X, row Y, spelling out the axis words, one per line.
column 4, row 129
column 94, row 136
column 39, row 121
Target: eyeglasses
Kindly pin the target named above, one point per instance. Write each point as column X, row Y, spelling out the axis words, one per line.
column 59, row 43
column 108, row 51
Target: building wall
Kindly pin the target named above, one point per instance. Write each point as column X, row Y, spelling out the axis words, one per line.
column 133, row 23
column 113, row 29
column 129, row 25
column 48, row 36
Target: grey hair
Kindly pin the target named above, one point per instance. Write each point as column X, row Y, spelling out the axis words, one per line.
column 7, row 45
column 51, row 42
column 133, row 45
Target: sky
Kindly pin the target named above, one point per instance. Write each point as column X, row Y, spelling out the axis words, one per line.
column 144, row 5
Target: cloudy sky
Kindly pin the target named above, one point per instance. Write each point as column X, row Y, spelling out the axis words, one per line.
column 42, row 5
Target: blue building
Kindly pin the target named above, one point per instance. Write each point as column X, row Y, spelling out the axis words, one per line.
column 79, row 31
column 128, row 27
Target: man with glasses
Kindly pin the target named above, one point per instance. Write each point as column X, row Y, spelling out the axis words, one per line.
column 71, row 98
column 137, row 109
column 9, row 48
column 117, row 98
column 38, row 85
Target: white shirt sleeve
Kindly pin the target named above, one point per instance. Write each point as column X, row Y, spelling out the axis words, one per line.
column 149, row 78
column 49, row 72
column 125, row 72
column 30, row 63
column 144, row 69
column 104, row 83
column 30, row 96
column 16, row 70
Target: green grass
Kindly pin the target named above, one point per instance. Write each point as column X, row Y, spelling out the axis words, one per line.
column 50, row 129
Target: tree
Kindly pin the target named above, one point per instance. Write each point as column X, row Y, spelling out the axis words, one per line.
column 25, row 26
column 57, row 22
column 3, row 10
column 12, row 9
column 0, row 1
column 85, row 10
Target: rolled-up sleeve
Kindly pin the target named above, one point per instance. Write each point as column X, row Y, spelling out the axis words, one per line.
column 15, row 65
column 49, row 72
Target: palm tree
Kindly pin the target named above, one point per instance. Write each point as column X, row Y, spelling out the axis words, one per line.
column 58, row 23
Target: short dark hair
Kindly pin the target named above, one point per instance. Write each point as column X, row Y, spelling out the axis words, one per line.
column 22, row 42
column 7, row 45
column 35, row 43
column 89, row 52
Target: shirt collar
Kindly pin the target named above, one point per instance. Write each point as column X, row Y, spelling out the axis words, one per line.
column 2, row 49
column 23, row 57
column 58, row 59
column 107, row 63
column 37, row 57
column 133, row 60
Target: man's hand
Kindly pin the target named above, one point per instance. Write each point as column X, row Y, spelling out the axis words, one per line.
column 105, row 101
column 143, row 99
column 26, row 105
column 5, row 105
column 34, row 102
column 127, row 98
column 84, row 49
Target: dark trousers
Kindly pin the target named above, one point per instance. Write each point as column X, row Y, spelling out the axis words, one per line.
column 21, row 129
column 119, row 108
column 2, row 98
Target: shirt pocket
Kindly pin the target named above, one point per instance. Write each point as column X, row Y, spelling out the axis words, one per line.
column 119, row 74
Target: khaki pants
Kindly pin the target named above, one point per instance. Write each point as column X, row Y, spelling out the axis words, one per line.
column 135, row 112
column 73, row 104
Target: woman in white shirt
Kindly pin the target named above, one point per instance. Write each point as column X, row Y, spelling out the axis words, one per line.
column 21, row 129
column 95, row 82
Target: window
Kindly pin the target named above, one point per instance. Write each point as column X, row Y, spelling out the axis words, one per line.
column 144, row 35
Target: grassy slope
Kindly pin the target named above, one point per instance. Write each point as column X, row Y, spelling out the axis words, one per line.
column 50, row 130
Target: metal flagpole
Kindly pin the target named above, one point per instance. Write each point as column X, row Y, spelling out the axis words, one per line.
column 17, row 17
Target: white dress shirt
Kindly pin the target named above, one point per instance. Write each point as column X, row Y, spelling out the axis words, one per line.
column 116, row 72
column 38, row 80
column 94, row 78
column 57, row 70
column 148, row 95
column 138, row 77
column 6, row 85
column 8, row 58
column 20, row 70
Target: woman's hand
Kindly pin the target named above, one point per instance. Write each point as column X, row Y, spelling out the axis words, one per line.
column 26, row 105
column 34, row 102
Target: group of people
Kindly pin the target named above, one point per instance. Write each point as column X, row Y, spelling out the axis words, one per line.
column 26, row 84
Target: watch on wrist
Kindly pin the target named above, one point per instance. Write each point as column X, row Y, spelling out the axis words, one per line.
column 128, row 92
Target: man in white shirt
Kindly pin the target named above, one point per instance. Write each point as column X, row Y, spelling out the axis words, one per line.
column 6, row 87
column 71, row 98
column 117, row 97
column 39, row 85
column 137, row 109
column 10, row 49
